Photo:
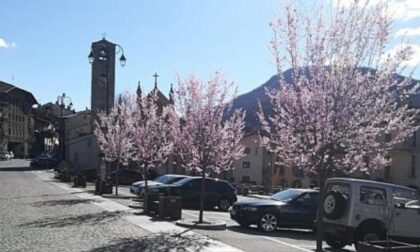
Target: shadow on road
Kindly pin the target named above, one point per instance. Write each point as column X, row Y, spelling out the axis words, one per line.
column 24, row 168
column 34, row 196
column 159, row 242
column 294, row 234
column 93, row 218
column 63, row 202
column 282, row 233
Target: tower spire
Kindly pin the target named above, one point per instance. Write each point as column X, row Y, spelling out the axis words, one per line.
column 171, row 94
column 139, row 91
column 156, row 76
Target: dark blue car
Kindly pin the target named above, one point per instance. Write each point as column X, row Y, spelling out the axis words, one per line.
column 292, row 208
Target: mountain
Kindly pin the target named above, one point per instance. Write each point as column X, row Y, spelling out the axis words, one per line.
column 249, row 101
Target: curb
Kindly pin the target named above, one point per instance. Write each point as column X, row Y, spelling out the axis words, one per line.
column 206, row 225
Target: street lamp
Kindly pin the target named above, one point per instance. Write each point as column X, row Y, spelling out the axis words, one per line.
column 103, row 55
column 63, row 102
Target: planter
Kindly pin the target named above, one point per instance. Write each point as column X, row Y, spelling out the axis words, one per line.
column 79, row 181
column 170, row 206
column 103, row 187
column 389, row 245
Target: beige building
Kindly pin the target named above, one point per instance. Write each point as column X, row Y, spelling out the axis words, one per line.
column 255, row 166
column 404, row 169
column 81, row 145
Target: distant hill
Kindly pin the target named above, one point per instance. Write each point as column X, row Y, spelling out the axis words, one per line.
column 249, row 101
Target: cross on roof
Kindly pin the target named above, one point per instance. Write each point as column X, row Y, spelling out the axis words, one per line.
column 103, row 35
column 156, row 76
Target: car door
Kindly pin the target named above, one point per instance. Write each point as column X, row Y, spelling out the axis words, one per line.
column 191, row 192
column 405, row 222
column 300, row 212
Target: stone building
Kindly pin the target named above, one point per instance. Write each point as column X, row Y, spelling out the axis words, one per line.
column 47, row 122
column 16, row 121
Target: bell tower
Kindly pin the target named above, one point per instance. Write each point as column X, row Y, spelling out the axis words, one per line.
column 102, row 58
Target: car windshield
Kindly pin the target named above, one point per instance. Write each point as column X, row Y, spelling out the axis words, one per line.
column 286, row 195
column 167, row 179
column 183, row 181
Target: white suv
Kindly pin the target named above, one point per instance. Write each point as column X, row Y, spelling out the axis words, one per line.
column 362, row 210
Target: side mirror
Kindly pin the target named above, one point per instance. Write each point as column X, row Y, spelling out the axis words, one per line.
column 400, row 205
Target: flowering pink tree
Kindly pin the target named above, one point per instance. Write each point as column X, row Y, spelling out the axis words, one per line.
column 345, row 107
column 152, row 136
column 209, row 135
column 114, row 132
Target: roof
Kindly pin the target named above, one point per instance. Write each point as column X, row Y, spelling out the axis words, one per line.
column 369, row 182
column 87, row 112
column 6, row 88
column 52, row 109
column 161, row 98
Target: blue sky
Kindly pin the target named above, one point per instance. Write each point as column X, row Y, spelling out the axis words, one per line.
column 44, row 44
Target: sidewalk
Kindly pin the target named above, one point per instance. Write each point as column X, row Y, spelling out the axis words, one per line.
column 175, row 237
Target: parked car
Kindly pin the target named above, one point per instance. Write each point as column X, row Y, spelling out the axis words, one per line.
column 291, row 208
column 125, row 177
column 357, row 210
column 217, row 192
column 136, row 187
column 5, row 155
column 44, row 161
column 11, row 155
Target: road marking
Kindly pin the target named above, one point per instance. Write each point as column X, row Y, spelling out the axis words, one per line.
column 287, row 244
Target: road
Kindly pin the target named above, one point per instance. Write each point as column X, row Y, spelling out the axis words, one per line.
column 250, row 239
column 39, row 216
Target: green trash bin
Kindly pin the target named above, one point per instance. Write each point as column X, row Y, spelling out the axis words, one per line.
column 170, row 206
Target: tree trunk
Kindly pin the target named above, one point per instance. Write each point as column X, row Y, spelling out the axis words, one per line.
column 116, row 178
column 203, row 180
column 320, row 217
column 146, row 194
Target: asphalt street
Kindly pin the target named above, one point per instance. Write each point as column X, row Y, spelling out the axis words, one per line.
column 39, row 216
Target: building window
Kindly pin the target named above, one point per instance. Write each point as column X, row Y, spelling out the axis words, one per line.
column 297, row 172
column 76, row 158
column 387, row 173
column 245, row 179
column 414, row 142
column 256, row 151
column 246, row 164
column 387, row 137
column 89, row 142
column 413, row 166
column 247, row 150
column 278, row 169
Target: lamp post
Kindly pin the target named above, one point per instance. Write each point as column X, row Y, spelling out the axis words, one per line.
column 63, row 102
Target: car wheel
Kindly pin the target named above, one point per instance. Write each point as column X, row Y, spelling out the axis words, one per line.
column 268, row 222
column 334, row 204
column 224, row 204
column 369, row 233
column 334, row 242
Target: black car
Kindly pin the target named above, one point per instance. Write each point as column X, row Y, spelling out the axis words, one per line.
column 125, row 177
column 217, row 192
column 292, row 208
column 44, row 161
column 137, row 187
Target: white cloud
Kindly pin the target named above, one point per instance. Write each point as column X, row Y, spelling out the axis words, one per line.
column 408, row 32
column 400, row 9
column 4, row 44
column 415, row 54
